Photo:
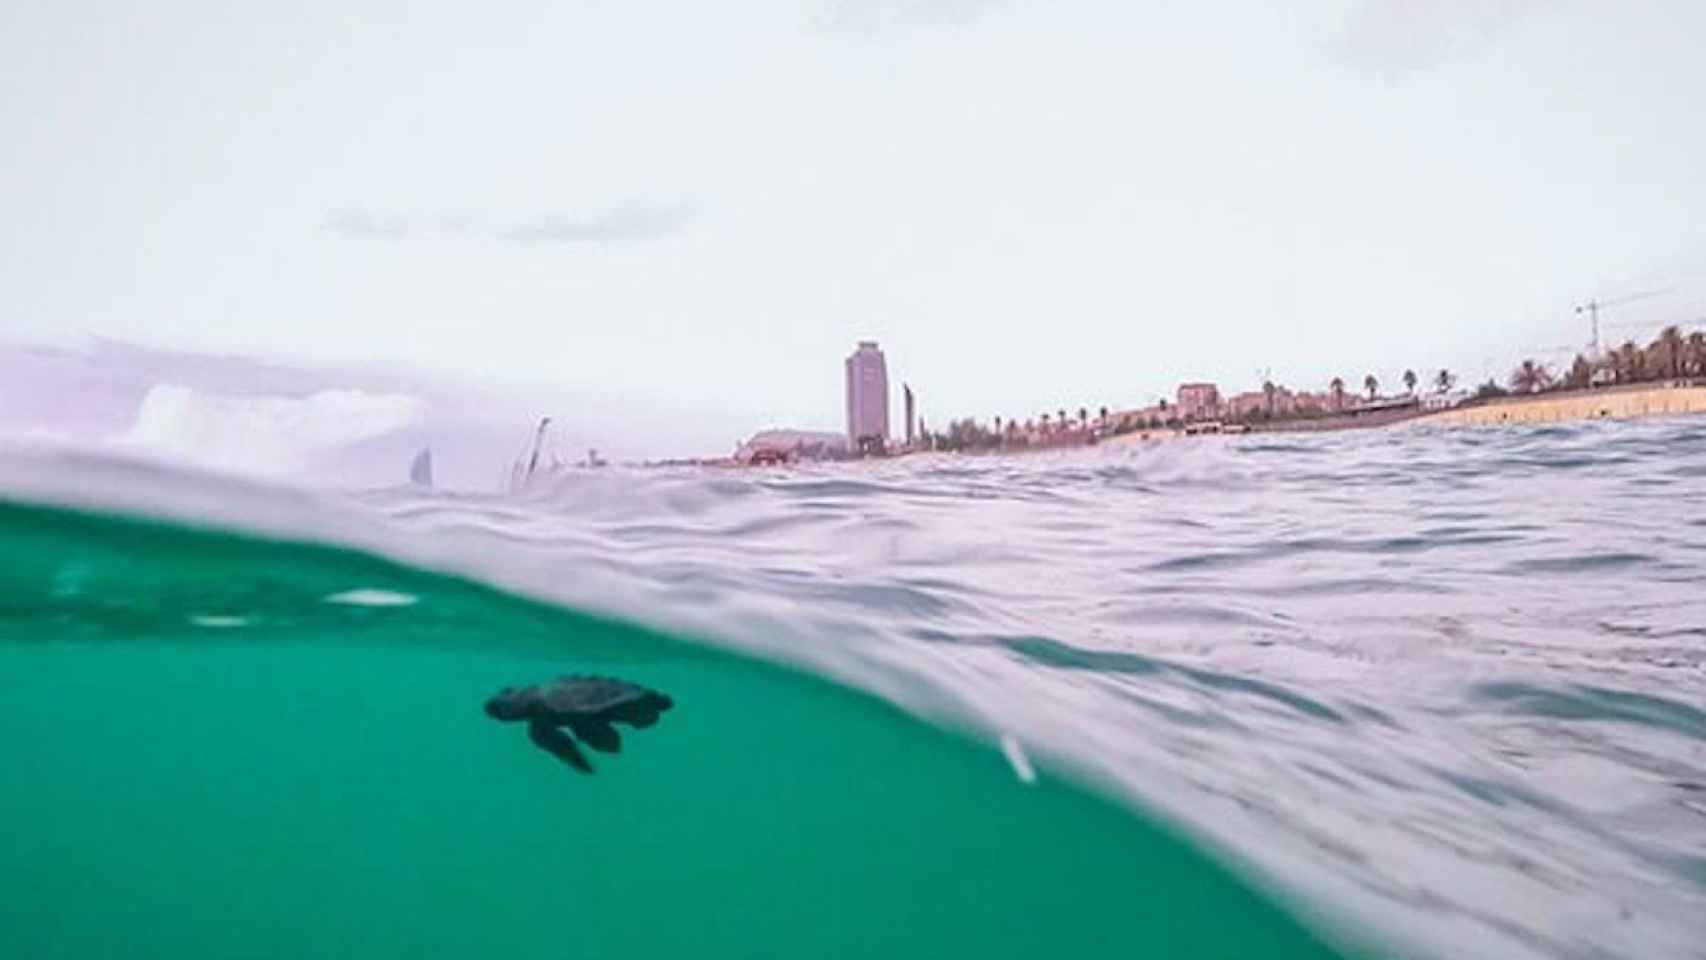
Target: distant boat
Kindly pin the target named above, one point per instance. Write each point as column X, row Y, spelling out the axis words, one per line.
column 521, row 473
column 420, row 472
column 531, row 464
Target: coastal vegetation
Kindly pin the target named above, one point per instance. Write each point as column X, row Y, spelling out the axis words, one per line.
column 1531, row 377
column 1490, row 391
column 1672, row 355
column 1046, row 430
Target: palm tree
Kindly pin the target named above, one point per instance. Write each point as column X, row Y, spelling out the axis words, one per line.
column 1410, row 379
column 1104, row 416
column 1629, row 362
column 1044, row 419
column 1371, row 385
column 1337, row 389
column 1667, row 352
column 1530, row 377
column 1060, row 419
column 1490, row 389
column 1083, row 419
column 1615, row 363
column 1444, row 380
column 1581, row 373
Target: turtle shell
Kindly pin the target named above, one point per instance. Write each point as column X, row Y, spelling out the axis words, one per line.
column 602, row 698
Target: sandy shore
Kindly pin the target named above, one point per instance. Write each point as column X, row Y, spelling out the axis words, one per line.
column 1609, row 403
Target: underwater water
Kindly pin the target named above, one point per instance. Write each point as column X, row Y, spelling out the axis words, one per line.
column 1394, row 693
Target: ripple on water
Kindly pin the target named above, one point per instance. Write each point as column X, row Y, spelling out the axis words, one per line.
column 1578, row 563
column 1588, row 703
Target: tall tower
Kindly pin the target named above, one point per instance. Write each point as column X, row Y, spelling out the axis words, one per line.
column 867, row 399
column 911, row 415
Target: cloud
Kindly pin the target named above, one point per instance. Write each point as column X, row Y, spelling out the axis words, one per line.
column 1413, row 35
column 623, row 223
column 263, row 435
column 631, row 223
column 342, row 426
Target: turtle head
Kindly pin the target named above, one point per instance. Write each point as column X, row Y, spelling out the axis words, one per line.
column 511, row 703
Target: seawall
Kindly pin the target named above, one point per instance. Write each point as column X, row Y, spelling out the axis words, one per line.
column 1349, row 420
column 1610, row 403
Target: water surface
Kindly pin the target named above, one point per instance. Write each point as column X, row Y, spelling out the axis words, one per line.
column 1394, row 692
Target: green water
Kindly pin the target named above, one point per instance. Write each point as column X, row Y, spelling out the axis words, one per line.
column 208, row 759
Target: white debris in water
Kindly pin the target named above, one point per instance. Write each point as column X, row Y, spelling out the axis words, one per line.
column 372, row 598
column 218, row 622
column 1016, row 756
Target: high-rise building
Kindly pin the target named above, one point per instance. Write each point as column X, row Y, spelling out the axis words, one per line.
column 867, row 399
column 911, row 415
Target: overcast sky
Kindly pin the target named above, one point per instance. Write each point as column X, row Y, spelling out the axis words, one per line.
column 690, row 211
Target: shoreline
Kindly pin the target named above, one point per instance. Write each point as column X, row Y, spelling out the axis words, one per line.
column 1627, row 402
column 1603, row 403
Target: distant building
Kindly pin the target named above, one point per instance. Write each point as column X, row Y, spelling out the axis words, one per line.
column 1251, row 403
column 1384, row 404
column 1307, row 402
column 867, row 399
column 1444, row 401
column 1156, row 414
column 788, row 445
column 911, row 414
column 1198, row 401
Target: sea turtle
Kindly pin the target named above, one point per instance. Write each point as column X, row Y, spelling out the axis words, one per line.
column 585, row 706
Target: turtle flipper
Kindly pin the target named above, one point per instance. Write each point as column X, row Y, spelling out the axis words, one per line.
column 642, row 712
column 598, row 735
column 558, row 744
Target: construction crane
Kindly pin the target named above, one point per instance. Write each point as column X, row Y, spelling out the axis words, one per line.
column 1593, row 307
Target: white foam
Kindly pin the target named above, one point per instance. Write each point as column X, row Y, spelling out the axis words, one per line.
column 366, row 597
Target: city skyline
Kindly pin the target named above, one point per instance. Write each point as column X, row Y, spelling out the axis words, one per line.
column 1354, row 186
